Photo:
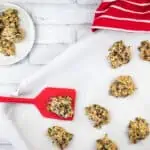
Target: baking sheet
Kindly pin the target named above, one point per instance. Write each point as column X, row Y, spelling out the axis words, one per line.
column 87, row 70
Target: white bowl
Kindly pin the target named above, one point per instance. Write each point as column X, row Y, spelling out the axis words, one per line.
column 24, row 47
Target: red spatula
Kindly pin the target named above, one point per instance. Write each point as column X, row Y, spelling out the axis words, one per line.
column 41, row 101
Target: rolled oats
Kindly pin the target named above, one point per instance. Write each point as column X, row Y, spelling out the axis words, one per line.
column 106, row 144
column 99, row 115
column 123, row 86
column 138, row 130
column 119, row 54
column 144, row 49
column 60, row 136
column 61, row 105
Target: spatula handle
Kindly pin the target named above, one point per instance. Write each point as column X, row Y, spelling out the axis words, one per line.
column 16, row 100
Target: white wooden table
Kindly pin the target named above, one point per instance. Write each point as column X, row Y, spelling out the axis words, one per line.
column 59, row 23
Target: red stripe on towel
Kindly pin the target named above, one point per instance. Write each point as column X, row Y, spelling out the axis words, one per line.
column 132, row 15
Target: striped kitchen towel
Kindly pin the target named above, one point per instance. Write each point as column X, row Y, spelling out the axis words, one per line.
column 124, row 15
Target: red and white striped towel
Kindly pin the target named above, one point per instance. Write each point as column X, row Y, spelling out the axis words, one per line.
column 124, row 15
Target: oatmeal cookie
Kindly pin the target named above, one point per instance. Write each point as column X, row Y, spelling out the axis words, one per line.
column 123, row 86
column 60, row 136
column 138, row 130
column 10, row 31
column 99, row 115
column 7, row 47
column 13, row 34
column 119, row 54
column 144, row 49
column 10, row 18
column 106, row 144
column 61, row 105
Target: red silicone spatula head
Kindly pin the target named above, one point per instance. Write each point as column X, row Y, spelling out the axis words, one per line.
column 42, row 100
